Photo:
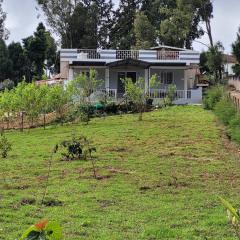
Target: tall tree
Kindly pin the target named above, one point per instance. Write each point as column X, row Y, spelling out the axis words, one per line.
column 5, row 62
column 236, row 53
column 122, row 34
column 3, row 30
column 79, row 23
column 215, row 60
column 144, row 32
column 16, row 55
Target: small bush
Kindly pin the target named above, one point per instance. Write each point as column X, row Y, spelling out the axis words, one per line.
column 5, row 146
column 77, row 148
column 225, row 110
column 213, row 96
column 234, row 129
column 171, row 94
column 111, row 108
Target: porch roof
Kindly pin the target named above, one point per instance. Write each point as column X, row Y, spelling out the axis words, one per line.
column 129, row 62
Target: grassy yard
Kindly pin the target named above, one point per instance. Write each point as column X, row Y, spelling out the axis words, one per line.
column 161, row 179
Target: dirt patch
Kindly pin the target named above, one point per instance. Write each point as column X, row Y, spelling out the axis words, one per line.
column 105, row 203
column 116, row 170
column 52, row 203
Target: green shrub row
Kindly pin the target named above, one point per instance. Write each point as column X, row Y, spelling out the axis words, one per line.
column 217, row 100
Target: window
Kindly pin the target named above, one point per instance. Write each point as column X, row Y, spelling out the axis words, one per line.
column 166, row 78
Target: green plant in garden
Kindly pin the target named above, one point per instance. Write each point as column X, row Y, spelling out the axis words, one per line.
column 137, row 94
column 5, row 146
column 43, row 230
column 233, row 216
column 213, row 96
column 171, row 94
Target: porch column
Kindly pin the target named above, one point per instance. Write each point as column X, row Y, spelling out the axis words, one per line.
column 70, row 75
column 146, row 80
column 185, row 83
column 107, row 78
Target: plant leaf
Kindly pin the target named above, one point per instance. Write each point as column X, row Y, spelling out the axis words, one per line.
column 230, row 208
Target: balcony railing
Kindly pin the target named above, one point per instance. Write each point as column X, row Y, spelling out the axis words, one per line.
column 143, row 55
column 167, row 55
column 125, row 54
column 88, row 54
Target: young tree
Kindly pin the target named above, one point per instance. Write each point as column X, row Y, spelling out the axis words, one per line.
column 3, row 30
column 144, row 32
column 215, row 60
column 236, row 53
column 136, row 93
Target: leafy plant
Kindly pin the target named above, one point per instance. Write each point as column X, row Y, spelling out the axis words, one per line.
column 43, row 230
column 77, row 148
column 5, row 146
column 171, row 94
column 233, row 216
column 213, row 96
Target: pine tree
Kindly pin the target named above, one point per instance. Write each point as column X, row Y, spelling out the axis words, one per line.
column 122, row 34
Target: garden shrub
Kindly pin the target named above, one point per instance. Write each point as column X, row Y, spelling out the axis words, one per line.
column 111, row 108
column 5, row 146
column 234, row 129
column 213, row 96
column 225, row 110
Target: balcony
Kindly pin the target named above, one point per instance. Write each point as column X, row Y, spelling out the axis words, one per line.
column 109, row 55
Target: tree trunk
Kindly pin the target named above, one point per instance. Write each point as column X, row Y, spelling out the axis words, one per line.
column 44, row 121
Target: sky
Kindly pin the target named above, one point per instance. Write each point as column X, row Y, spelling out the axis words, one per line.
column 23, row 18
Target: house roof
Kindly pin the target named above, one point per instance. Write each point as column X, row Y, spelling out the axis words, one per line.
column 130, row 62
column 229, row 58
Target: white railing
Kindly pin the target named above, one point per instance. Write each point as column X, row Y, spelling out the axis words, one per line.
column 88, row 54
column 168, row 55
column 110, row 93
column 162, row 93
column 125, row 54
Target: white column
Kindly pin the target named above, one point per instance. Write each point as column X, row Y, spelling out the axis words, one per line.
column 71, row 75
column 146, row 80
column 107, row 78
column 185, row 83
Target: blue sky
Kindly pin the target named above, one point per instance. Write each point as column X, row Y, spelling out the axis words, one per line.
column 23, row 19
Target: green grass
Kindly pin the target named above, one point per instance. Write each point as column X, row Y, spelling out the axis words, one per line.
column 162, row 179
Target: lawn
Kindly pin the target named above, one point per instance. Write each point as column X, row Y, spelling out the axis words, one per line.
column 161, row 179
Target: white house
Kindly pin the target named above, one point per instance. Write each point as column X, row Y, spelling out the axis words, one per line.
column 171, row 65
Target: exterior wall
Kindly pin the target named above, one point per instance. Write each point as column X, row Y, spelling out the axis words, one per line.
column 178, row 77
column 228, row 68
column 114, row 74
column 64, row 69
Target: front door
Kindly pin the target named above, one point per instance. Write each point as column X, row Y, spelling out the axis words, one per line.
column 121, row 77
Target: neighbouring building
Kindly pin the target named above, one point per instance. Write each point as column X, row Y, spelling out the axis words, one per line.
column 171, row 65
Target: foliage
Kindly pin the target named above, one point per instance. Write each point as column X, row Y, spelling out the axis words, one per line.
column 144, row 32
column 3, row 31
column 6, row 64
column 236, row 53
column 77, row 148
column 136, row 93
column 233, row 216
column 80, row 24
column 213, row 96
column 215, row 61
column 7, row 84
column 234, row 128
column 5, row 146
column 80, row 90
column 171, row 94
column 225, row 110
column 43, row 230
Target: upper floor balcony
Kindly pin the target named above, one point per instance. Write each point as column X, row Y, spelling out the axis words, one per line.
column 99, row 55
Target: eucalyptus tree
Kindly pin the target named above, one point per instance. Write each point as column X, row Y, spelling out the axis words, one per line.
column 3, row 30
